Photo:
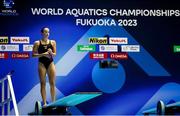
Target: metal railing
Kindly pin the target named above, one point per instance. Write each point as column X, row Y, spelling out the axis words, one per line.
column 6, row 84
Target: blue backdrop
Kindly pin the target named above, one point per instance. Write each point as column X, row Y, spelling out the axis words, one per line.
column 136, row 85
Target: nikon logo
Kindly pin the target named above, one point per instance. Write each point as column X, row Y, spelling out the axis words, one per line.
column 98, row 40
column 3, row 40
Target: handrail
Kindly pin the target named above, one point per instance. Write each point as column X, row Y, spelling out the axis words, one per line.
column 9, row 98
column 10, row 73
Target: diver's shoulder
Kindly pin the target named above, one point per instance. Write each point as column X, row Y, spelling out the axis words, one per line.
column 53, row 41
column 36, row 42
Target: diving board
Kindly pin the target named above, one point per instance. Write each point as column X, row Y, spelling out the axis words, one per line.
column 162, row 109
column 60, row 106
column 75, row 99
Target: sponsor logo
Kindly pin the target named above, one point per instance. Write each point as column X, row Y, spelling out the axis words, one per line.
column 27, row 47
column 8, row 9
column 86, row 48
column 98, row 55
column 116, row 40
column 19, row 39
column 98, row 40
column 176, row 48
column 8, row 3
column 119, row 56
column 3, row 55
column 3, row 40
column 130, row 48
column 108, row 48
column 108, row 64
column 9, row 47
column 17, row 55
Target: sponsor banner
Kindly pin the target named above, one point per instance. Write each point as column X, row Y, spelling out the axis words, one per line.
column 19, row 39
column 7, row 9
column 176, row 48
column 118, row 40
column 3, row 40
column 9, row 47
column 108, row 48
column 27, row 47
column 85, row 48
column 130, row 48
column 20, row 55
column 98, row 55
column 119, row 56
column 3, row 55
column 98, row 40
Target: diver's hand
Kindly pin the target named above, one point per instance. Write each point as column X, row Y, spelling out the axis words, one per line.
column 46, row 54
column 50, row 51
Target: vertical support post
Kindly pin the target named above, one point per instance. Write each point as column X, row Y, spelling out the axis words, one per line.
column 2, row 97
column 13, row 95
column 8, row 97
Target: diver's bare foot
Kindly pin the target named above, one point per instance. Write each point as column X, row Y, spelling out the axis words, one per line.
column 45, row 104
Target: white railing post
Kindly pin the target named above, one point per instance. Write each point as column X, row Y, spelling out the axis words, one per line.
column 9, row 100
column 13, row 95
column 6, row 82
column 2, row 97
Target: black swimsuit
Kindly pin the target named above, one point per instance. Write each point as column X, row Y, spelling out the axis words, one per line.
column 42, row 49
